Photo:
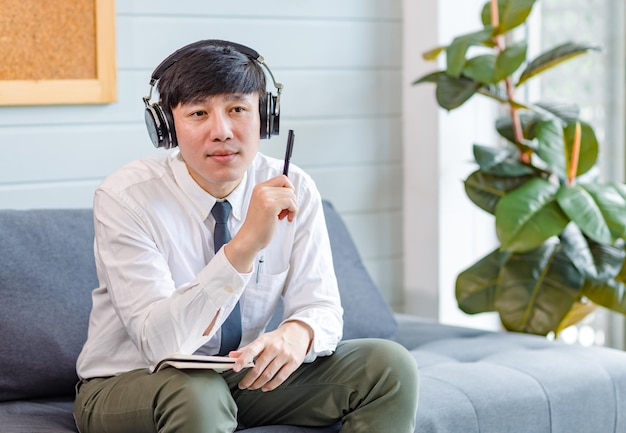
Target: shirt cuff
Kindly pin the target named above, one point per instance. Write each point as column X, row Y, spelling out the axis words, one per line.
column 221, row 282
column 319, row 346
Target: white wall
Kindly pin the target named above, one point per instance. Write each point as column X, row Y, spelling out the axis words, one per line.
column 340, row 62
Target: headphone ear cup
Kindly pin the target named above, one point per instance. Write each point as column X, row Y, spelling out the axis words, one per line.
column 274, row 111
column 171, row 129
column 160, row 126
column 270, row 120
column 264, row 116
column 153, row 124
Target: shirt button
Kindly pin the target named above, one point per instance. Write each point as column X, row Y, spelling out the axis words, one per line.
column 229, row 289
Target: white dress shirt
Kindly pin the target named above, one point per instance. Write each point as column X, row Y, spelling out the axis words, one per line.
column 161, row 283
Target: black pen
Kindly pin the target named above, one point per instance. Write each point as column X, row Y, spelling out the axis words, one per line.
column 288, row 151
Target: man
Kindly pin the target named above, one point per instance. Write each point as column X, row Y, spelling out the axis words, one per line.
column 167, row 285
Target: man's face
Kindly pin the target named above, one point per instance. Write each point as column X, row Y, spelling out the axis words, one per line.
column 218, row 138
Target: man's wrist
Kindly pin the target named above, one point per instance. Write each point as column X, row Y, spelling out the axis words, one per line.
column 303, row 332
column 241, row 259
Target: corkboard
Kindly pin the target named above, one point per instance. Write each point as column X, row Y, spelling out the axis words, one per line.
column 57, row 52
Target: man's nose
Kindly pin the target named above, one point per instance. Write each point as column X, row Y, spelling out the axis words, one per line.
column 220, row 127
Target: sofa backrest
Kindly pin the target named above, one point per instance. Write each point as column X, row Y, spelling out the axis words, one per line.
column 366, row 314
column 47, row 273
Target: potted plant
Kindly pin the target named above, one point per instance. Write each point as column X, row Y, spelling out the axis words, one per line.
column 561, row 231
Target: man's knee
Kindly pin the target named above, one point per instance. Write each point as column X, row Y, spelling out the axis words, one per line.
column 388, row 386
column 190, row 401
column 388, row 364
column 393, row 354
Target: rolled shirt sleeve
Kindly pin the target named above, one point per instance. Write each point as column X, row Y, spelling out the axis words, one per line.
column 161, row 317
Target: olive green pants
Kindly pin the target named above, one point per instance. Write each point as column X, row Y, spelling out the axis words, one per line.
column 370, row 385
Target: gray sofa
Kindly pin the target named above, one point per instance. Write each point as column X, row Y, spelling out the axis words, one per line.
column 470, row 380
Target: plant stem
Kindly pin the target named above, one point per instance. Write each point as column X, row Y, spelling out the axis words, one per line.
column 573, row 167
column 510, row 91
column 495, row 18
column 517, row 124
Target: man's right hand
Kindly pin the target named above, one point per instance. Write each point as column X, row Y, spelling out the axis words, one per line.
column 271, row 201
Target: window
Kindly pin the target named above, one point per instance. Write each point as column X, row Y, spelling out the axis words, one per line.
column 596, row 83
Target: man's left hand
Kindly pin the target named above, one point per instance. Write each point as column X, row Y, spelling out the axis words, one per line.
column 276, row 355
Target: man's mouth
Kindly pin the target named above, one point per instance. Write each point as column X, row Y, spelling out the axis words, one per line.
column 222, row 156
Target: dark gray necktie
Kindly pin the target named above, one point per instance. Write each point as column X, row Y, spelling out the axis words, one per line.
column 231, row 329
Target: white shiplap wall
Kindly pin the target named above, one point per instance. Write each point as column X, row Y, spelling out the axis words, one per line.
column 341, row 65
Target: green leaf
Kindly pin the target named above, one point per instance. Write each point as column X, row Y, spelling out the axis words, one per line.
column 612, row 205
column 485, row 189
column 561, row 110
column 497, row 93
column 432, row 77
column 453, row 92
column 620, row 188
column 458, row 48
column 509, row 60
column 553, row 57
column 481, row 68
column 511, row 13
column 549, row 135
column 536, row 290
column 588, row 146
column 500, row 161
column 595, row 261
column 476, row 286
column 555, row 143
column 529, row 215
column 598, row 210
column 608, row 260
column 610, row 294
column 431, row 55
column 541, row 111
column 581, row 309
column 621, row 275
column 579, row 205
column 504, row 126
column 450, row 92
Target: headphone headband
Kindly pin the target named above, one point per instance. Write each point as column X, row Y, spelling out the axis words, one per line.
column 176, row 55
column 159, row 119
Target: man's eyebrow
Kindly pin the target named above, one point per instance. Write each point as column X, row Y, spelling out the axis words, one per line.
column 237, row 96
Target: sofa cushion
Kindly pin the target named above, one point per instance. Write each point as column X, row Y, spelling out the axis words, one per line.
column 46, row 279
column 55, row 416
column 476, row 381
column 366, row 314
column 39, row 415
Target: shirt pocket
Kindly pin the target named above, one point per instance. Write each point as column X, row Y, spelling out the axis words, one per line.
column 261, row 297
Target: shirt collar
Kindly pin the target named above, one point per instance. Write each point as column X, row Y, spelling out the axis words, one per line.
column 202, row 200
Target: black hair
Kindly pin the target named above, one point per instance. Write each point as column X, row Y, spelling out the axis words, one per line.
column 209, row 71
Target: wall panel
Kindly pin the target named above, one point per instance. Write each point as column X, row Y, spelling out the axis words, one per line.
column 340, row 63
column 320, row 9
column 51, row 195
column 342, row 141
column 84, row 151
column 360, row 188
column 363, row 44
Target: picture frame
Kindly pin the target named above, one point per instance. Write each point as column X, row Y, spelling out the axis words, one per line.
column 98, row 88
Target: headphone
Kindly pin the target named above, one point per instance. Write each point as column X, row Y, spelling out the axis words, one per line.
column 159, row 120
